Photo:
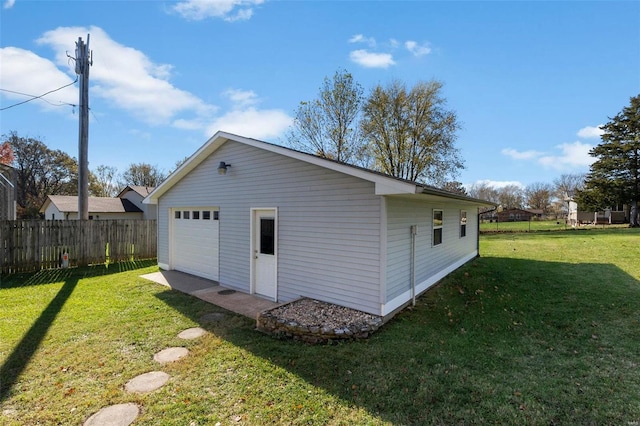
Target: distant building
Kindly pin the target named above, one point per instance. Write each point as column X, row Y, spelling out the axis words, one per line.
column 136, row 194
column 65, row 207
column 516, row 215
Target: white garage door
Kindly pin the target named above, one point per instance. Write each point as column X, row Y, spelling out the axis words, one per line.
column 195, row 241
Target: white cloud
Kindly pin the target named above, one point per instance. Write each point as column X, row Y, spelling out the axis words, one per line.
column 127, row 78
column 9, row 4
column 573, row 156
column 359, row 38
column 416, row 49
column 229, row 10
column 371, row 60
column 241, row 98
column 253, row 123
column 591, row 132
column 521, row 155
column 497, row 184
column 24, row 71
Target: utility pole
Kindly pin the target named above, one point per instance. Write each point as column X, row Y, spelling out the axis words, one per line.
column 84, row 59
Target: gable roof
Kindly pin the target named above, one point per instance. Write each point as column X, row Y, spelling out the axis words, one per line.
column 143, row 191
column 384, row 184
column 69, row 204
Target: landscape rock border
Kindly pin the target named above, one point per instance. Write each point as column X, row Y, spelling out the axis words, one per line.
column 313, row 321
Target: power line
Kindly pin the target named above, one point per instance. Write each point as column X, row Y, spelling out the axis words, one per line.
column 36, row 97
column 60, row 103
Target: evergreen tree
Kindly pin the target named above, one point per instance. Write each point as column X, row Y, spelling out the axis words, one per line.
column 614, row 178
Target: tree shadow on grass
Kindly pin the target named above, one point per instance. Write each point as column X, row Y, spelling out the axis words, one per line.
column 18, row 360
column 501, row 340
column 48, row 276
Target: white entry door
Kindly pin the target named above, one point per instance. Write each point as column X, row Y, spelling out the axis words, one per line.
column 265, row 252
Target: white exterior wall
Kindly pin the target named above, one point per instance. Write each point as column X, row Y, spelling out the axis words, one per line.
column 52, row 213
column 149, row 211
column 432, row 262
column 328, row 224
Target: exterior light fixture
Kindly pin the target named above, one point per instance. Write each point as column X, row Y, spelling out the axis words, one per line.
column 222, row 168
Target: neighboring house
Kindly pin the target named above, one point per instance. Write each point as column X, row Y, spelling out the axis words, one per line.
column 537, row 213
column 65, row 207
column 8, row 191
column 515, row 215
column 136, row 194
column 282, row 224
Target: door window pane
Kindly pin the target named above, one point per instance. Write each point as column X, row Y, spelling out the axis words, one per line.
column 267, row 236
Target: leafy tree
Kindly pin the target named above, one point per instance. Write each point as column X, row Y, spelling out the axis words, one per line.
column 142, row 174
column 6, row 153
column 40, row 172
column 538, row 196
column 615, row 175
column 411, row 134
column 328, row 125
column 102, row 181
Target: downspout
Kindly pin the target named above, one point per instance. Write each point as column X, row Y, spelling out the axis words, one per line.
column 414, row 231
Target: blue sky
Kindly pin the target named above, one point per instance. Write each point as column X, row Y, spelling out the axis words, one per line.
column 530, row 81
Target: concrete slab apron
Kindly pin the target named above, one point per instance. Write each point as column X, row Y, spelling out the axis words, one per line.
column 245, row 304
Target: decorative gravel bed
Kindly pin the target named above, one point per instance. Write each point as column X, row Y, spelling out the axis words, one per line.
column 313, row 321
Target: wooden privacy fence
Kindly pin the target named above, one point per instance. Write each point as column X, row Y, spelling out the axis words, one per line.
column 32, row 245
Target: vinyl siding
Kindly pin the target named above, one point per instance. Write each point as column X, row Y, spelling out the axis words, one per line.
column 328, row 224
column 403, row 212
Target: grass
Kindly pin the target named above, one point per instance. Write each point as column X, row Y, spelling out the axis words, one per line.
column 543, row 329
column 536, row 226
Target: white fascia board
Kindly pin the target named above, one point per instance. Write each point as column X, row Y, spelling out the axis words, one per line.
column 394, row 187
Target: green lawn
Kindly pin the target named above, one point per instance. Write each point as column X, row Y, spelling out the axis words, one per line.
column 544, row 328
column 537, row 225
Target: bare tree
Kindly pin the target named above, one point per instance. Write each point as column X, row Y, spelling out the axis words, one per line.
column 511, row 197
column 102, row 181
column 538, row 196
column 484, row 191
column 328, row 126
column 142, row 174
column 411, row 133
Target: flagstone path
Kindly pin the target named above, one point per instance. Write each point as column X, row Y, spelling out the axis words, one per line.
column 125, row 414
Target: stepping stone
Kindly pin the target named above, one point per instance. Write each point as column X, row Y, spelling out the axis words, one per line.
column 114, row 415
column 147, row 382
column 170, row 355
column 192, row 333
column 212, row 317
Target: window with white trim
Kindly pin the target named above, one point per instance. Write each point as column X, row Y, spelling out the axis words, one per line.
column 463, row 223
column 438, row 220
